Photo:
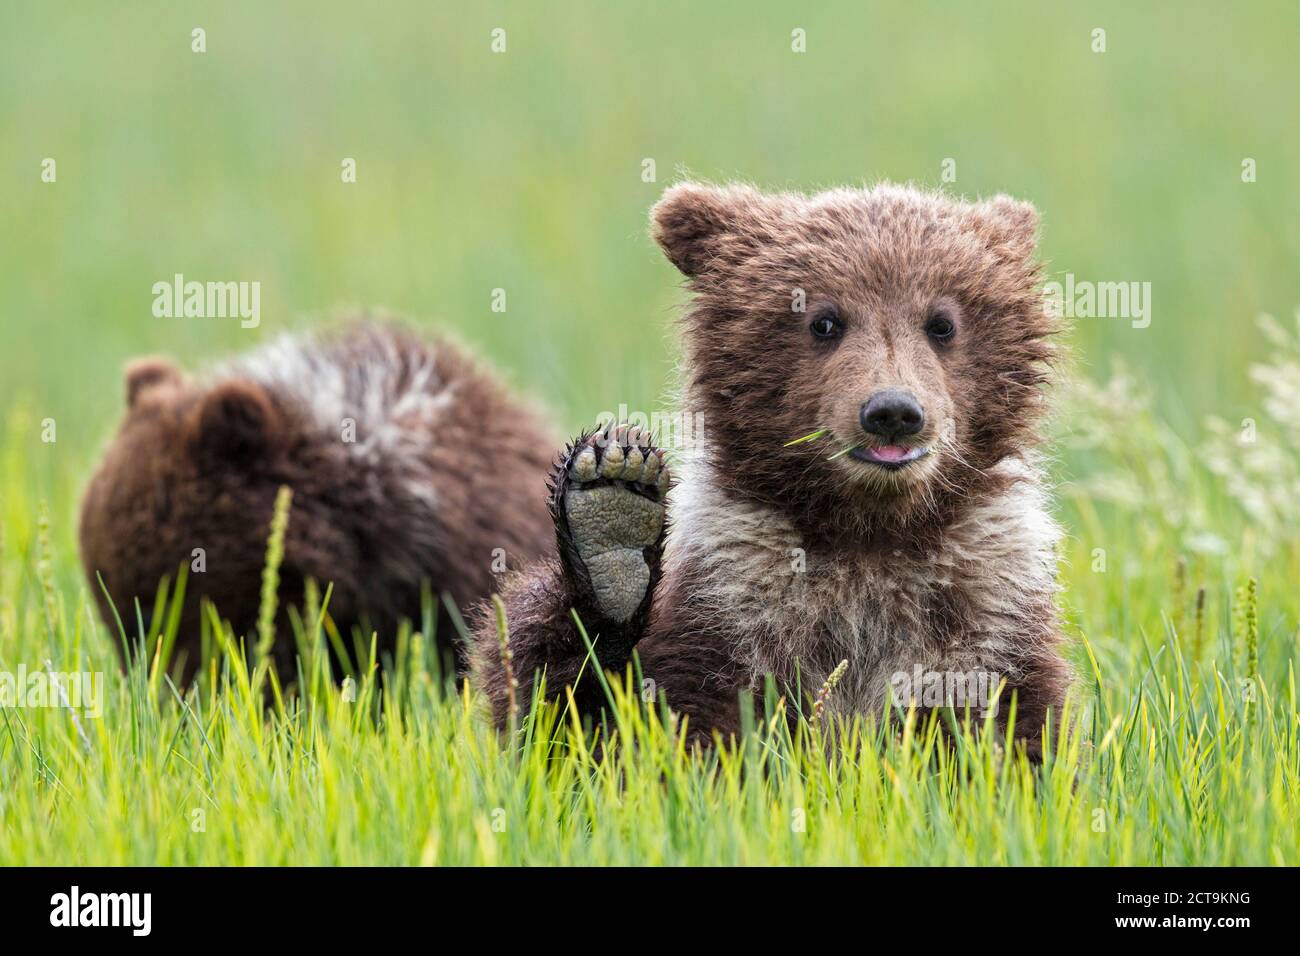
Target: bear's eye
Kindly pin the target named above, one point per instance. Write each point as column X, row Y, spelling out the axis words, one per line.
column 826, row 325
column 940, row 326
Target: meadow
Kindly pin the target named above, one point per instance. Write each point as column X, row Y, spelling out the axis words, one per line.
column 1168, row 158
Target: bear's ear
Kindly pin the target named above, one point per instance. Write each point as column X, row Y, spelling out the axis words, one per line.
column 695, row 224
column 1009, row 226
column 144, row 374
column 234, row 421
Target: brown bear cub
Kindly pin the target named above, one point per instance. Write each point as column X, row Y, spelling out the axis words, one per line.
column 408, row 464
column 902, row 336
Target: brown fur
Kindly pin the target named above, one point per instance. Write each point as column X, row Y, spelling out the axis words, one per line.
column 446, row 467
column 947, row 564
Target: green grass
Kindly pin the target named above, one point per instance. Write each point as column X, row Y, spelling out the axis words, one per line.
column 523, row 172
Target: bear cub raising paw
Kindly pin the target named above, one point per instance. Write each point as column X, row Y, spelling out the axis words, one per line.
column 868, row 365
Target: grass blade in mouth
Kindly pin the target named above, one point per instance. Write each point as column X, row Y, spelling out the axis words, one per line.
column 817, row 434
column 844, row 451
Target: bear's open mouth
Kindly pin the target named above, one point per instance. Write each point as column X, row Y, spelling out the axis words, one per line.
column 891, row 457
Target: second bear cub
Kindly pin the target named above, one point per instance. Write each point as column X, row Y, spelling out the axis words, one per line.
column 902, row 336
column 410, row 465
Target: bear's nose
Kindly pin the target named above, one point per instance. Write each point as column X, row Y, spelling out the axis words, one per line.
column 892, row 414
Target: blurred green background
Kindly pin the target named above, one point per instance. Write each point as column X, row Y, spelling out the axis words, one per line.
column 522, row 170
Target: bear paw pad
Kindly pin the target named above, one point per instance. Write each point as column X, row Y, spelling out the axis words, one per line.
column 610, row 490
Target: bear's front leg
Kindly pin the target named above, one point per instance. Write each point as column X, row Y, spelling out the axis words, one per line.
column 1040, row 693
column 607, row 501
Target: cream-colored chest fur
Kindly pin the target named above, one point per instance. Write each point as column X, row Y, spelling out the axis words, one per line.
column 795, row 612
